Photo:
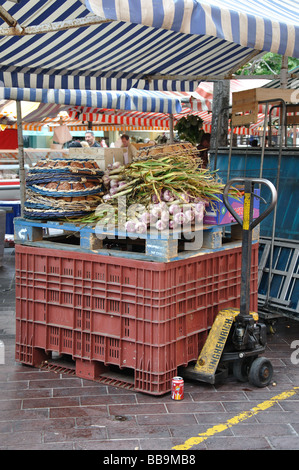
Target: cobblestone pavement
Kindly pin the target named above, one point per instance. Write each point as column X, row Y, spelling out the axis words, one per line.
column 42, row 410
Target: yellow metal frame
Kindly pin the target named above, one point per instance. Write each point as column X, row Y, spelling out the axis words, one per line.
column 212, row 350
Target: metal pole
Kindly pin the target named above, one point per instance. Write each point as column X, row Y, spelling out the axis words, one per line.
column 21, row 157
column 230, row 151
column 171, row 128
column 217, row 133
column 264, row 141
column 284, row 72
column 246, row 248
column 283, row 116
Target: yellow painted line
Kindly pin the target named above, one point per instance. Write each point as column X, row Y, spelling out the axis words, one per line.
column 193, row 441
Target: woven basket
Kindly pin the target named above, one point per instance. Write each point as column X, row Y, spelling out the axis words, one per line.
column 58, row 188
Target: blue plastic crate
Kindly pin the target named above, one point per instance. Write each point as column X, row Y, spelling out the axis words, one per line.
column 246, row 163
column 12, row 209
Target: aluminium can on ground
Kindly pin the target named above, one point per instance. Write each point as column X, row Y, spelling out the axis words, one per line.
column 177, row 388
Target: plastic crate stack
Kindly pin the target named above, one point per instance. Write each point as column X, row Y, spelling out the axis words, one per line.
column 147, row 318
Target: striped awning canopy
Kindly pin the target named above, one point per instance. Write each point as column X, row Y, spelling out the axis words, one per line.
column 198, row 103
column 147, row 44
column 142, row 100
column 291, row 83
column 271, row 25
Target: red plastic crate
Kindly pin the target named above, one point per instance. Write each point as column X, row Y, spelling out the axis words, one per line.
column 145, row 316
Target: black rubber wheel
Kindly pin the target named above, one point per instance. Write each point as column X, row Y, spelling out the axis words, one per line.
column 241, row 369
column 261, row 372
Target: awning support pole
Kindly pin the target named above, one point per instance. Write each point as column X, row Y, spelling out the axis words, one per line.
column 171, row 128
column 21, row 157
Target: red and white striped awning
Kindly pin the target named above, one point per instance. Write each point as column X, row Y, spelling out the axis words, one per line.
column 198, row 103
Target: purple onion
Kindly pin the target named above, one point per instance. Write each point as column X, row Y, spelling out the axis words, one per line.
column 199, row 206
column 179, row 218
column 168, row 196
column 162, row 205
column 156, row 211
column 130, row 226
column 145, row 218
column 153, row 219
column 140, row 227
column 161, row 225
column 185, row 197
column 106, row 180
column 113, row 184
column 190, row 215
column 197, row 199
column 199, row 216
column 174, row 209
column 172, row 224
column 164, row 216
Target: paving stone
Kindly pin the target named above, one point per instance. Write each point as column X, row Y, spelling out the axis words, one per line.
column 284, row 443
column 115, row 444
column 237, row 443
column 78, row 411
column 43, row 424
column 135, row 431
column 64, row 435
column 167, row 419
column 194, row 407
column 107, row 400
column 21, row 438
column 50, row 402
column 252, row 430
column 137, row 409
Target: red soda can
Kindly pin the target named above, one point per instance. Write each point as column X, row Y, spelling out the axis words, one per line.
column 177, row 388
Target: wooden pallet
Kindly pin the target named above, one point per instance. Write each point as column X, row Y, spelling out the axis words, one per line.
column 154, row 246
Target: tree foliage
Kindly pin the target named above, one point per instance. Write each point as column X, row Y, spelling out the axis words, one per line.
column 268, row 64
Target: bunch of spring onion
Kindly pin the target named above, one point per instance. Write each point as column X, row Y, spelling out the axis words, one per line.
column 166, row 192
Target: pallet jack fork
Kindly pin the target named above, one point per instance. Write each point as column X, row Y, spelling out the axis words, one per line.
column 236, row 336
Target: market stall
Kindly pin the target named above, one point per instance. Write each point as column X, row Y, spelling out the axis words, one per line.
column 150, row 218
column 79, row 45
column 139, row 302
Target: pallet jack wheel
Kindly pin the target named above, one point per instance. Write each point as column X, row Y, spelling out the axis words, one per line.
column 261, row 372
column 241, row 368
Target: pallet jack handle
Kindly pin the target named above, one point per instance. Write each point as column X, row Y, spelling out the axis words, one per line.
column 248, row 224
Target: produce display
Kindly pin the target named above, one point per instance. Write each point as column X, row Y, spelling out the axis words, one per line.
column 164, row 187
column 57, row 188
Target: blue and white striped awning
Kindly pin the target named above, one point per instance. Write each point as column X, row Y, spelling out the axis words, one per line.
column 147, row 44
column 270, row 25
column 292, row 81
column 131, row 100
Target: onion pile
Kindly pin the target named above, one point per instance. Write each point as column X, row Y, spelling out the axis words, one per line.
column 167, row 192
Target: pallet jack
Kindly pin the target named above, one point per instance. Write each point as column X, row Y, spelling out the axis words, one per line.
column 237, row 338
